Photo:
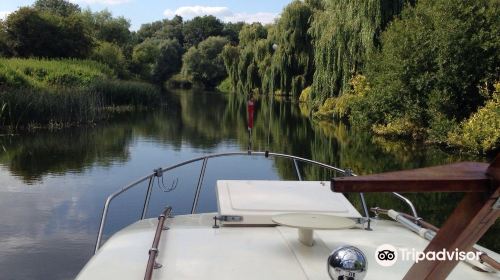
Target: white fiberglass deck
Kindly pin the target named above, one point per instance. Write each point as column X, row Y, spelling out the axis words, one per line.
column 192, row 249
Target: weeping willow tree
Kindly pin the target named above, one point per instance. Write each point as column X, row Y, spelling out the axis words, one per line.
column 345, row 34
column 230, row 55
column 275, row 57
column 293, row 60
column 240, row 61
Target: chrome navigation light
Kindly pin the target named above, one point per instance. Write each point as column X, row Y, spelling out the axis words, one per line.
column 347, row 263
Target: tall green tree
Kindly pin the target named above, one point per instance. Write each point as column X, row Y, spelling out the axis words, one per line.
column 169, row 61
column 5, row 49
column 294, row 59
column 105, row 27
column 232, row 31
column 345, row 34
column 59, row 7
column 147, row 30
column 171, row 29
column 200, row 28
column 250, row 33
column 241, row 64
column 231, row 56
column 163, row 29
column 205, row 63
column 157, row 60
column 42, row 34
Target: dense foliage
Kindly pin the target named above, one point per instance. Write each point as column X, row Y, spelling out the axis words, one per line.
column 274, row 58
column 34, row 73
column 200, row 28
column 57, row 7
column 111, row 55
column 480, row 132
column 429, row 90
column 204, row 63
column 31, row 32
column 156, row 59
column 345, row 34
column 292, row 64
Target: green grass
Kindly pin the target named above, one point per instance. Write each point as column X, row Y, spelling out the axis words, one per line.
column 55, row 93
column 40, row 73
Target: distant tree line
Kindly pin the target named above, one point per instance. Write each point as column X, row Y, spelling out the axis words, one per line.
column 55, row 29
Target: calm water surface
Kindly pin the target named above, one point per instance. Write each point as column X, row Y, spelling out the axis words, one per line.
column 53, row 184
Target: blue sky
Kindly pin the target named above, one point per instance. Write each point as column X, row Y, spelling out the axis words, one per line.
column 143, row 11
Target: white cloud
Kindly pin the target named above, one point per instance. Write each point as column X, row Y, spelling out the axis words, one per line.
column 103, row 2
column 223, row 13
column 249, row 18
column 194, row 11
column 4, row 14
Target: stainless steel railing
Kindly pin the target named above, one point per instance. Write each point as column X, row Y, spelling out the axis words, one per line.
column 160, row 171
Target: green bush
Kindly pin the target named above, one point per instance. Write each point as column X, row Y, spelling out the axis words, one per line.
column 111, row 55
column 225, row 86
column 305, row 95
column 481, row 132
column 402, row 128
column 326, row 110
column 347, row 102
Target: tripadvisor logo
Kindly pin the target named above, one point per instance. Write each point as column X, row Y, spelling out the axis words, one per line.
column 387, row 255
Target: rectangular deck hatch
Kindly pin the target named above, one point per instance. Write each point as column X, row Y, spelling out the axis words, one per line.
column 257, row 201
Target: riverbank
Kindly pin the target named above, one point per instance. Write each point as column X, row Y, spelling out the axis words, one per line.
column 66, row 92
column 479, row 133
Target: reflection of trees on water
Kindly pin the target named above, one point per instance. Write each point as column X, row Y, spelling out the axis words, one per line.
column 31, row 156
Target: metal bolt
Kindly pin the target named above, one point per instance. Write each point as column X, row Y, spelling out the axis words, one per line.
column 157, row 265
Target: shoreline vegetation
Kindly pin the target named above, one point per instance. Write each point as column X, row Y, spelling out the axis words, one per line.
column 426, row 71
column 37, row 93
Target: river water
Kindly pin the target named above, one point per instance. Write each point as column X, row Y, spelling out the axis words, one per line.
column 53, row 184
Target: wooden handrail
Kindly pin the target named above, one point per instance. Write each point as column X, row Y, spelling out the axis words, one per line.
column 458, row 177
column 477, row 211
column 153, row 252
